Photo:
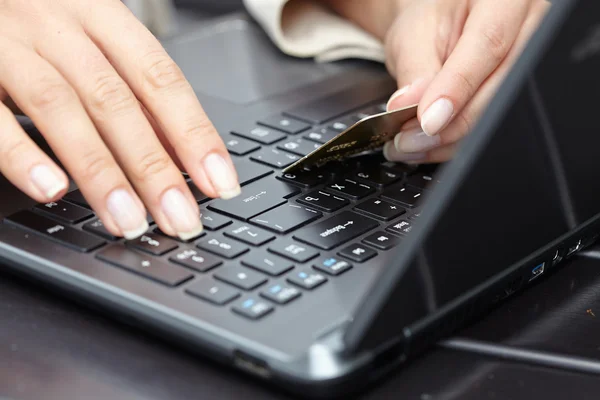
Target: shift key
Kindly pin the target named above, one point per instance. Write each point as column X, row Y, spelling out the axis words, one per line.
column 255, row 199
column 336, row 230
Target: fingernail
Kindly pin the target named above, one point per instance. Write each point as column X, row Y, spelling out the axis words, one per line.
column 128, row 216
column 392, row 154
column 46, row 181
column 437, row 116
column 416, row 141
column 183, row 216
column 397, row 94
column 222, row 176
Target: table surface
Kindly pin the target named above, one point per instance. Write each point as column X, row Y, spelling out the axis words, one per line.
column 51, row 348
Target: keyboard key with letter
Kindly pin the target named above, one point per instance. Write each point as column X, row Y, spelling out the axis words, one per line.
column 285, row 124
column 252, row 308
column 323, row 201
column 382, row 240
column 286, row 218
column 97, row 227
column 213, row 221
column 321, row 136
column 261, row 134
column 380, row 209
column 357, row 253
column 294, row 251
column 377, row 176
column 307, row 279
column 300, row 147
column 153, row 243
column 401, row 227
column 239, row 146
column 332, row 266
column 336, row 230
column 67, row 212
column 249, row 235
column 305, row 179
column 223, row 247
column 280, row 293
column 195, row 259
column 349, row 188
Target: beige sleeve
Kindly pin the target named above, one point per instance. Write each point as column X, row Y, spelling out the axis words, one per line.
column 307, row 29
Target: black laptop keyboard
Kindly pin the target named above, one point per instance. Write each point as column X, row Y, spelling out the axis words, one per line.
column 285, row 236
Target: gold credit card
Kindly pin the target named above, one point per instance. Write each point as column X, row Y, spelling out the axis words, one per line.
column 366, row 135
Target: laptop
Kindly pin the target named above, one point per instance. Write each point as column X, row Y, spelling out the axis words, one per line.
column 321, row 282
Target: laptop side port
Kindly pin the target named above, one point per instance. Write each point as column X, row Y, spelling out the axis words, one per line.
column 537, row 271
column 557, row 257
column 575, row 248
column 251, row 364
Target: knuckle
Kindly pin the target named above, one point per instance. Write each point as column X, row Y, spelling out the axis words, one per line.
column 161, row 72
column 494, row 38
column 51, row 93
column 197, row 131
column 466, row 123
column 154, row 162
column 465, row 84
column 94, row 166
column 111, row 94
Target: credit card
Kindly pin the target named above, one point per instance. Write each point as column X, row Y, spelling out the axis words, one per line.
column 366, row 135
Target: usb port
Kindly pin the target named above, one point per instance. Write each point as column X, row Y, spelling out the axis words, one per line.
column 537, row 271
column 574, row 249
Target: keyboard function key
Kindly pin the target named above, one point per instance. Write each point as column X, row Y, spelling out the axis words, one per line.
column 149, row 267
column 285, row 124
column 65, row 235
column 300, row 147
column 213, row 292
column 261, row 134
column 275, row 158
column 64, row 211
column 97, row 227
column 306, row 279
column 358, row 253
column 349, row 188
column 286, row 218
column 241, row 277
column 153, row 243
column 402, row 227
column 195, row 259
column 213, row 221
column 249, row 235
column 380, row 209
column 239, row 146
column 336, row 230
column 407, row 196
column 323, row 201
column 252, row 308
column 382, row 240
column 280, row 293
column 223, row 247
column 332, row 266
column 305, row 179
column 294, row 251
column 267, row 263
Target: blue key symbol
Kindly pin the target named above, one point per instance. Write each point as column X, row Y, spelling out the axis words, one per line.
column 329, row 262
column 303, row 275
column 248, row 303
column 276, row 289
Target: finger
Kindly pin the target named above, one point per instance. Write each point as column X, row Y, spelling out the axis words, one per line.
column 440, row 155
column 163, row 138
column 52, row 104
column 120, row 120
column 466, row 120
column 161, row 86
column 488, row 36
column 26, row 165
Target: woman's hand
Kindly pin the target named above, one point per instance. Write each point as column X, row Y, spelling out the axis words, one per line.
column 116, row 111
column 450, row 56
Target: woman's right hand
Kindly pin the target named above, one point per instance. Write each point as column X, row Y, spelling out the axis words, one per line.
column 116, row 111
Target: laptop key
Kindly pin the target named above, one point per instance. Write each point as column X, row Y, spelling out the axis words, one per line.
column 76, row 197
column 256, row 199
column 149, row 267
column 222, row 247
column 382, row 240
column 239, row 146
column 195, row 259
column 349, row 188
column 421, row 181
column 66, row 212
column 332, row 266
column 340, row 126
column 285, row 124
column 153, row 244
column 305, row 179
column 249, row 235
column 241, row 277
column 159, row 232
column 380, row 209
column 275, row 158
column 401, row 227
column 403, row 195
column 300, row 147
column 261, row 134
column 358, row 253
column 65, row 235
column 377, row 176
column 286, row 218
column 336, row 230
column 213, row 221
column 97, row 227
column 249, row 171
column 323, row 201
column 267, row 263
column 307, row 279
column 321, row 136
column 213, row 292
column 280, row 293
column 198, row 195
column 252, row 308
column 294, row 251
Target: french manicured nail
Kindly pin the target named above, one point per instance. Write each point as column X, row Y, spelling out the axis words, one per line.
column 46, row 181
column 392, row 154
column 416, row 141
column 128, row 216
column 183, row 216
column 437, row 116
column 397, row 94
column 222, row 176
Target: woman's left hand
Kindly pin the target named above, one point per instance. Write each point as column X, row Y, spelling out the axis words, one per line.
column 450, row 56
